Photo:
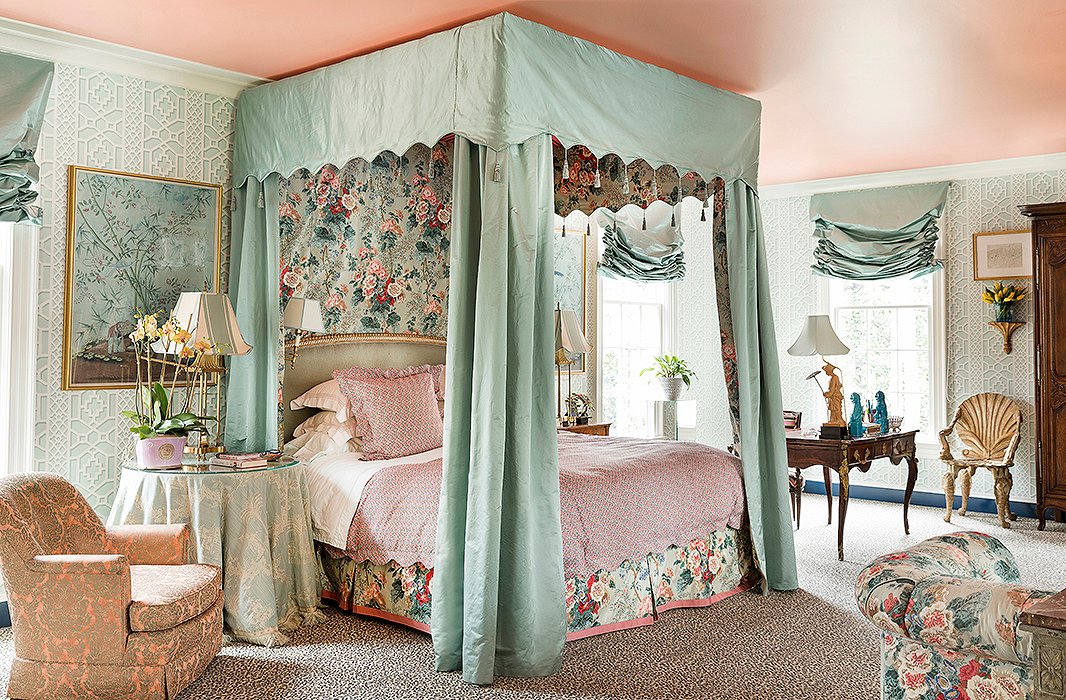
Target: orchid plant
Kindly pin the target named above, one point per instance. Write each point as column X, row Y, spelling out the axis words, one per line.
column 156, row 413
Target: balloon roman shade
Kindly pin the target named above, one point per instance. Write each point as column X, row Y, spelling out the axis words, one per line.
column 637, row 247
column 24, row 87
column 878, row 234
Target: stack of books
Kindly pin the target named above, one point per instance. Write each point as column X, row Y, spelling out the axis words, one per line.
column 239, row 460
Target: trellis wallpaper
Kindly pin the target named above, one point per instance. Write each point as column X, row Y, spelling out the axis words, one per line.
column 118, row 122
column 975, row 358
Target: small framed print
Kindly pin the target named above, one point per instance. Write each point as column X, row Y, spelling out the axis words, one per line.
column 1002, row 255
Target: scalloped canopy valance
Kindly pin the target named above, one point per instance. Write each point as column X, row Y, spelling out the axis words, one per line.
column 497, row 81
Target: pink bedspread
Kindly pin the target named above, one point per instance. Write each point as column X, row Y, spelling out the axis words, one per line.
column 621, row 499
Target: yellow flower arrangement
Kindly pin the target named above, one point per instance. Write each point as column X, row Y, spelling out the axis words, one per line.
column 1003, row 294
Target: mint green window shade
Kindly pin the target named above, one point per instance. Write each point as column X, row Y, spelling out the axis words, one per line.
column 637, row 247
column 24, row 87
column 880, row 233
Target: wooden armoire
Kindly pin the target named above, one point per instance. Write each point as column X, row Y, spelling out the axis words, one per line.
column 1049, row 334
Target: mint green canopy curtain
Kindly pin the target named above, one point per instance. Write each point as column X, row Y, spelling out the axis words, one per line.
column 499, row 572
column 503, row 85
column 252, row 387
column 24, row 87
column 879, row 233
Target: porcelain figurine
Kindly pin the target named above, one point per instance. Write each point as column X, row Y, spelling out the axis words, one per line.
column 834, row 396
column 881, row 412
column 855, row 426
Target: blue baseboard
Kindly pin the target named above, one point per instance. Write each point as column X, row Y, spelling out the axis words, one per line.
column 5, row 615
column 918, row 498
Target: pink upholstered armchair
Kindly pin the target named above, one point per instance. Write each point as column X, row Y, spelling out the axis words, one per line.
column 101, row 612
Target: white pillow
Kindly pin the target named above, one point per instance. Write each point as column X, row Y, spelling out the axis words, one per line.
column 327, row 422
column 315, row 443
column 326, row 396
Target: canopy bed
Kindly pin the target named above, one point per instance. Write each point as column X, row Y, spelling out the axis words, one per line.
column 320, row 190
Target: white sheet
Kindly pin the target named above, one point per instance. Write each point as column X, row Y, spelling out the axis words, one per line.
column 336, row 483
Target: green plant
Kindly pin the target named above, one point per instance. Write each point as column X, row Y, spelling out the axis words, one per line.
column 579, row 404
column 153, row 416
column 671, row 366
column 156, row 419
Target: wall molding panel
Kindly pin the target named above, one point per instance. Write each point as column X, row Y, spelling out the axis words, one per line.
column 961, row 171
column 64, row 47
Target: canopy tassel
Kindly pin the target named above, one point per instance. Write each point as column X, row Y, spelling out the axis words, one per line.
column 564, row 227
column 673, row 218
column 644, row 221
column 496, row 176
column 654, row 187
column 261, row 203
column 566, row 163
column 625, row 182
column 596, row 183
column 703, row 212
column 588, row 227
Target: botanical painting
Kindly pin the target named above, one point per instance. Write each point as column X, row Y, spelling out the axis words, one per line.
column 134, row 243
column 569, row 275
column 370, row 241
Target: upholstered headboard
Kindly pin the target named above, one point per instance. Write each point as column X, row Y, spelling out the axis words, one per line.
column 321, row 354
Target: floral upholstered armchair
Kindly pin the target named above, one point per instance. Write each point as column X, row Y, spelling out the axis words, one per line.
column 99, row 612
column 948, row 609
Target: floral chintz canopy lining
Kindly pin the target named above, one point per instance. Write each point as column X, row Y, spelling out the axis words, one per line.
column 371, row 238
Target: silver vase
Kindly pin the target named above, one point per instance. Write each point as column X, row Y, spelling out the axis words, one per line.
column 672, row 387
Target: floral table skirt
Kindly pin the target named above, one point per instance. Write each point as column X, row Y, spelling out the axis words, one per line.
column 255, row 525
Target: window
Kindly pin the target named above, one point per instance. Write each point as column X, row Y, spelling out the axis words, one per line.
column 634, row 320
column 895, row 329
column 18, row 274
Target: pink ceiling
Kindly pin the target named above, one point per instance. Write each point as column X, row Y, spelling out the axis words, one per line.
column 847, row 86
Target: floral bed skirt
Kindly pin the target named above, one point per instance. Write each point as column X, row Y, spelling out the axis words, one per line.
column 705, row 570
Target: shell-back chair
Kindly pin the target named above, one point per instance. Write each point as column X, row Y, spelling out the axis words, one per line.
column 988, row 425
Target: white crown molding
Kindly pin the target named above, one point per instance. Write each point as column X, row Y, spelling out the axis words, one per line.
column 64, row 47
column 961, row 171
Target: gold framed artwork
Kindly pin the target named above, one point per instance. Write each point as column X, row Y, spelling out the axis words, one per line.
column 570, row 268
column 134, row 243
column 1002, row 255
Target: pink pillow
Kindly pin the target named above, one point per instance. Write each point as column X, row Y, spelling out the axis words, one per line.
column 434, row 371
column 396, row 416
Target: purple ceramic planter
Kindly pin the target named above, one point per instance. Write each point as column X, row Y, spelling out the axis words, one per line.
column 160, row 452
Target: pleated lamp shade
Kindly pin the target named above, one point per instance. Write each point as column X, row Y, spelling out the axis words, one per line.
column 303, row 314
column 210, row 315
column 568, row 334
column 818, row 338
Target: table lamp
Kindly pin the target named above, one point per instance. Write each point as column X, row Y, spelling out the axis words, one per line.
column 208, row 316
column 818, row 338
column 302, row 315
column 569, row 338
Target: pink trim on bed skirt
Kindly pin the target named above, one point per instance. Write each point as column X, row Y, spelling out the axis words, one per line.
column 652, row 619
column 746, row 584
column 374, row 612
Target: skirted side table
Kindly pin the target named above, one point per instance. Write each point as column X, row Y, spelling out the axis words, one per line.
column 254, row 523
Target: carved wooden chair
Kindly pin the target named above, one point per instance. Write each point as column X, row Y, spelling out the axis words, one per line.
column 988, row 426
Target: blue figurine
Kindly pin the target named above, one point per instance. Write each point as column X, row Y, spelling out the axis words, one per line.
column 855, row 426
column 881, row 412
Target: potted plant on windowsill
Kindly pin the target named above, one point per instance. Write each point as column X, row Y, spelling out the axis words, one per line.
column 161, row 431
column 674, row 375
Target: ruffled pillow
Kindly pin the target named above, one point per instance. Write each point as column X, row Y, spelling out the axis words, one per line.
column 326, row 396
column 316, row 442
column 434, row 371
column 396, row 416
column 327, row 422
